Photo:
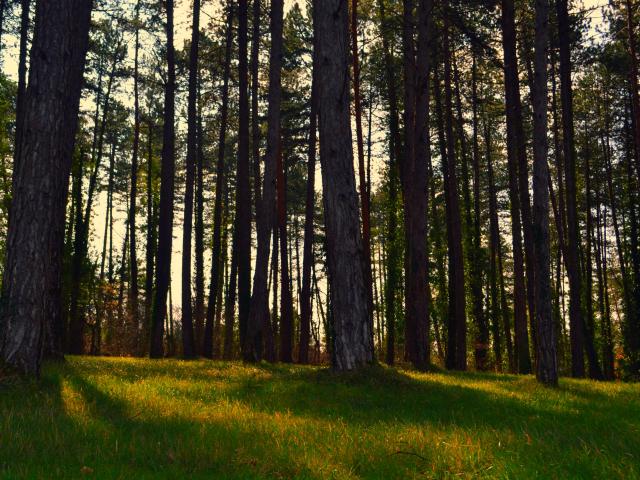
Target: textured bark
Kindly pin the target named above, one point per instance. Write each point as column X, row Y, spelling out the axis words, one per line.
column 207, row 348
column 349, row 307
column 547, row 365
column 414, row 180
column 31, row 295
column 259, row 311
column 167, row 173
column 307, row 248
column 230, row 302
column 188, row 340
column 511, row 102
column 457, row 342
column 243, row 209
column 199, row 312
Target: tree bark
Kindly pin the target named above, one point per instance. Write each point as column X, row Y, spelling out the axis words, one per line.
column 31, row 294
column 188, row 340
column 547, row 365
column 207, row 349
column 167, row 173
column 352, row 346
column 259, row 310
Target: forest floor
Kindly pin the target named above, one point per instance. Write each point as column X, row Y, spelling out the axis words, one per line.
column 134, row 419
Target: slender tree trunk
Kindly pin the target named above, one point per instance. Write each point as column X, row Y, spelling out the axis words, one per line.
column 198, row 313
column 22, row 76
column 392, row 241
column 579, row 335
column 207, row 349
column 230, row 302
column 165, row 227
column 512, row 100
column 365, row 198
column 151, row 235
column 243, row 209
column 133, row 255
column 255, row 118
column 32, row 277
column 352, row 346
column 547, row 365
column 306, row 313
column 286, row 300
column 188, row 340
column 482, row 337
column 266, row 220
column 457, row 350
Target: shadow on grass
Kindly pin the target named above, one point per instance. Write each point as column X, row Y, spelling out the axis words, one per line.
column 122, row 442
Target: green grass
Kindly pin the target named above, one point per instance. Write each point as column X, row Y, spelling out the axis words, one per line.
column 132, row 419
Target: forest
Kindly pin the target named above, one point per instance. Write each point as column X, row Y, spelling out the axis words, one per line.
column 425, row 196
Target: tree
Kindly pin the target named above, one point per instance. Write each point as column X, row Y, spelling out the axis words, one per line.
column 352, row 347
column 188, row 339
column 167, row 173
column 547, row 367
column 31, row 295
column 259, row 312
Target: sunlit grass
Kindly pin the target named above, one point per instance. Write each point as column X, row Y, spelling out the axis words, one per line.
column 128, row 418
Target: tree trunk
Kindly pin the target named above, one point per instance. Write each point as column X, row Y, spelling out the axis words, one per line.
column 151, row 235
column 352, row 346
column 394, row 252
column 243, row 209
column 307, row 249
column 547, row 365
column 365, row 199
column 188, row 341
column 33, row 268
column 165, row 223
column 198, row 313
column 133, row 255
column 266, row 220
column 255, row 119
column 22, row 76
column 457, row 350
column 579, row 334
column 512, row 100
column 286, row 300
column 207, row 348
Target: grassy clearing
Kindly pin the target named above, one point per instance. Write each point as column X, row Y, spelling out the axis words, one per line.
column 130, row 418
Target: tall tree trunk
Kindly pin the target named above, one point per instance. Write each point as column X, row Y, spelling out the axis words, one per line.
column 230, row 302
column 482, row 336
column 512, row 100
column 188, row 340
column 133, row 255
column 243, row 209
column 286, row 301
column 352, row 346
column 198, row 313
column 255, row 118
column 547, row 365
column 393, row 246
column 167, row 173
column 22, row 76
column 580, row 338
column 365, row 198
column 259, row 311
column 151, row 236
column 32, row 277
column 457, row 349
column 307, row 249
column 207, row 348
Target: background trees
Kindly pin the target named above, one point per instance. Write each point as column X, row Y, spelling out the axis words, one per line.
column 444, row 100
